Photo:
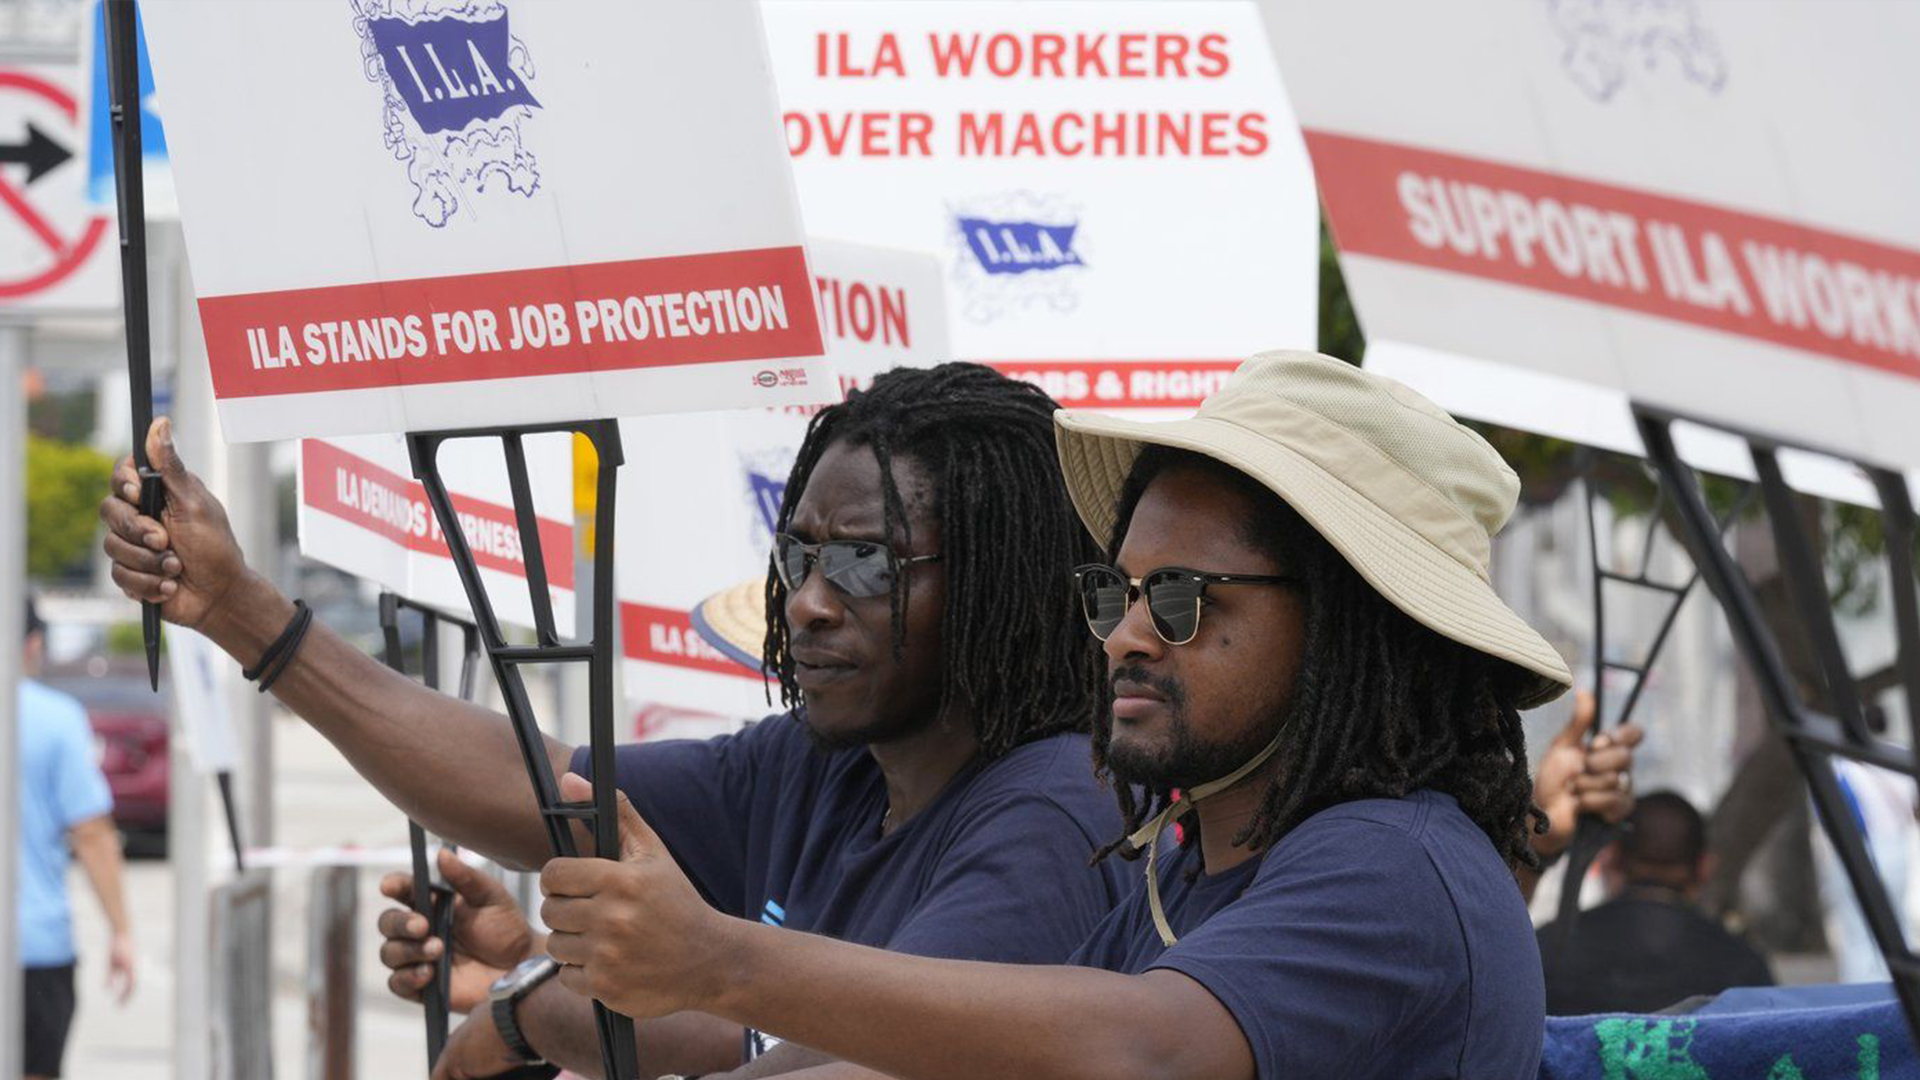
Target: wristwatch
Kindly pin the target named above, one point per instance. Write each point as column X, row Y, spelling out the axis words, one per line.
column 506, row 993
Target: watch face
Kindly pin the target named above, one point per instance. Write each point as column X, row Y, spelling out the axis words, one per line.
column 506, row 984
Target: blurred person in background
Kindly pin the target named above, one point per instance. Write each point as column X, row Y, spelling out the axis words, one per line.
column 1650, row 945
column 64, row 804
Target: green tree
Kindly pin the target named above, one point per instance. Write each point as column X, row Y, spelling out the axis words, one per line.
column 1340, row 333
column 64, row 484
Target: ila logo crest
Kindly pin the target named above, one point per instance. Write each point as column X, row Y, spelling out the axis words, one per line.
column 456, row 85
column 1016, row 251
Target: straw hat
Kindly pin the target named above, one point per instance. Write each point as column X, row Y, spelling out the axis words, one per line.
column 734, row 621
column 1404, row 492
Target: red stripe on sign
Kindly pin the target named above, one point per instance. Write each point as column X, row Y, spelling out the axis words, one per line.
column 383, row 502
column 615, row 316
column 1122, row 384
column 1759, row 277
column 666, row 636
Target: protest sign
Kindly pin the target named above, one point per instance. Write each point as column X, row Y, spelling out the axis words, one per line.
column 431, row 214
column 1547, row 209
column 361, row 511
column 720, row 477
column 1116, row 193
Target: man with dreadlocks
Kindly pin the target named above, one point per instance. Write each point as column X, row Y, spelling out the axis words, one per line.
column 1309, row 672
column 928, row 792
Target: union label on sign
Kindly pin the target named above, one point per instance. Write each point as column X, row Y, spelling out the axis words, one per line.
column 481, row 213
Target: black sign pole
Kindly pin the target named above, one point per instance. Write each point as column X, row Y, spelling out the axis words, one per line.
column 617, row 1052
column 123, row 84
column 1592, row 835
column 430, row 899
column 1814, row 738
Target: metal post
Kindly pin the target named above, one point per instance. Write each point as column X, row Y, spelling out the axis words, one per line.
column 240, row 1028
column 249, row 497
column 13, row 582
column 333, row 908
column 187, row 803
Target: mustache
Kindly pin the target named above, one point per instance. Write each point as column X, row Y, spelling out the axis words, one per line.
column 1171, row 689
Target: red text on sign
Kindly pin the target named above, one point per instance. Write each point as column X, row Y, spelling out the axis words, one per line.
column 1079, row 56
column 365, row 495
column 857, row 311
column 1763, row 278
column 666, row 636
column 684, row 309
column 1122, row 384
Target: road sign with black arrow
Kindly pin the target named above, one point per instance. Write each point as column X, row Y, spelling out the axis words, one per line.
column 39, row 152
column 56, row 245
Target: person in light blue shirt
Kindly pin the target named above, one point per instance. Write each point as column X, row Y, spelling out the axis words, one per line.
column 64, row 805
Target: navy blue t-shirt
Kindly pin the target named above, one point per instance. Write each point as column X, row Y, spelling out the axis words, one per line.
column 770, row 826
column 1379, row 938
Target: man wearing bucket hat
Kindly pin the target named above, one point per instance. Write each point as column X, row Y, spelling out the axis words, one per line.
column 1311, row 673
column 927, row 792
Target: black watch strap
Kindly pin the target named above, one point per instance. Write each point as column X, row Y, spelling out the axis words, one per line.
column 542, row 1071
column 509, row 1029
column 505, row 1016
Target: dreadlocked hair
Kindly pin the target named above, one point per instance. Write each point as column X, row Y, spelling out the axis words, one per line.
column 1381, row 706
column 1016, row 651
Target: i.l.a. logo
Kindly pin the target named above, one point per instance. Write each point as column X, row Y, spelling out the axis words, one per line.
column 456, row 85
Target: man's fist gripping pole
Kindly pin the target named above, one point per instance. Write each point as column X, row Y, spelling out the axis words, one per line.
column 490, row 935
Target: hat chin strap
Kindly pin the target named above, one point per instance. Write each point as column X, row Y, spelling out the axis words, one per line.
column 1149, row 834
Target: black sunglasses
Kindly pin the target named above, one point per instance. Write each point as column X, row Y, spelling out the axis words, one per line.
column 1173, row 593
column 858, row 568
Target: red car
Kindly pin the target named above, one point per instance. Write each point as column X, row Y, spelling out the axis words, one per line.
column 130, row 733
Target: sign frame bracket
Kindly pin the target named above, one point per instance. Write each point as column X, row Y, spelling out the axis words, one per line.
column 1592, row 835
column 617, row 1049
column 1813, row 737
column 431, row 899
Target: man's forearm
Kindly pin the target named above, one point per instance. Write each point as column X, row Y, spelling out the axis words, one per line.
column 922, row 1019
column 96, row 844
column 454, row 767
column 794, row 1060
column 558, row 1024
column 830, row 1071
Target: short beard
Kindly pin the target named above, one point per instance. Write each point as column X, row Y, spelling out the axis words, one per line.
column 874, row 731
column 1187, row 762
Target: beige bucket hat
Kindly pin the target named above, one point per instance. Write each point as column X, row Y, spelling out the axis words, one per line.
column 1408, row 495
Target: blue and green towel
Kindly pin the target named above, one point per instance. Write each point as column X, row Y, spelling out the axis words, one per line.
column 1798, row 1033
